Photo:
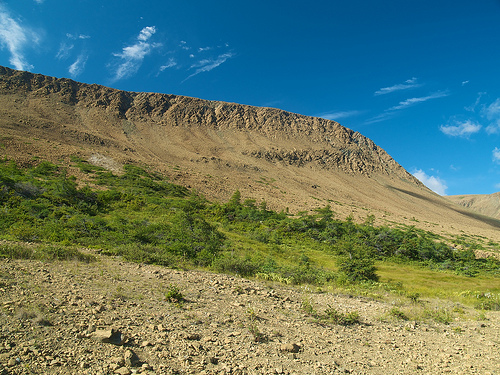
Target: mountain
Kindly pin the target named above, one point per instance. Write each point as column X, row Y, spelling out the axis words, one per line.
column 486, row 204
column 291, row 161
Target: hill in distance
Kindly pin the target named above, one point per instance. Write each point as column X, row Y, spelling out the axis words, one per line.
column 291, row 161
column 486, row 204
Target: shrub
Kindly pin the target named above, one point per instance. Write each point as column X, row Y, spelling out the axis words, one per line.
column 356, row 263
column 173, row 294
column 337, row 317
column 240, row 266
column 396, row 313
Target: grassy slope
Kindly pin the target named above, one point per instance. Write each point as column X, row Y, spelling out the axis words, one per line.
column 142, row 217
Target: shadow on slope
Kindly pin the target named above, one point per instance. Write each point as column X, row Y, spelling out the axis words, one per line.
column 439, row 202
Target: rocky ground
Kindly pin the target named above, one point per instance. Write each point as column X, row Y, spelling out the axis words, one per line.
column 112, row 317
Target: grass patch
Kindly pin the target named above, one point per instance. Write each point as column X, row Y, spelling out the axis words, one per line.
column 44, row 252
column 422, row 282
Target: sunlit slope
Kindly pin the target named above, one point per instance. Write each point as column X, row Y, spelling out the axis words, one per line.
column 291, row 161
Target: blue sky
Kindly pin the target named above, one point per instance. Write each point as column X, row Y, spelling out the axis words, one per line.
column 420, row 78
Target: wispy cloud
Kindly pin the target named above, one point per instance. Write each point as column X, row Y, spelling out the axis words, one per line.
column 408, row 84
column 170, row 64
column 472, row 108
column 387, row 115
column 492, row 114
column 79, row 36
column 16, row 38
column 64, row 50
column 132, row 56
column 434, row 183
column 463, row 129
column 412, row 101
column 339, row 115
column 78, row 66
column 207, row 65
column 496, row 155
column 391, row 112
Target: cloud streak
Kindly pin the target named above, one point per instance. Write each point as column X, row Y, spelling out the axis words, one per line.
column 132, row 56
column 16, row 38
column 496, row 155
column 391, row 112
column 78, row 66
column 412, row 101
column 408, row 84
column 464, row 129
column 207, row 65
column 492, row 114
column 434, row 183
column 334, row 116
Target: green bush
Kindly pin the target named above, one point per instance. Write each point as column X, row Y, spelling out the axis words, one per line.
column 173, row 294
column 337, row 317
column 355, row 263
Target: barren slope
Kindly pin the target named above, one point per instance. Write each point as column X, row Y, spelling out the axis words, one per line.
column 291, row 161
column 55, row 317
column 486, row 204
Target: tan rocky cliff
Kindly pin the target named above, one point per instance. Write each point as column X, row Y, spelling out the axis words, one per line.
column 292, row 161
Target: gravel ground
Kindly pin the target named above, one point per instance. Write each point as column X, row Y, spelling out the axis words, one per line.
column 112, row 317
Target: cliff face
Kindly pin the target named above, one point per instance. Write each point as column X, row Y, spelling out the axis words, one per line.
column 292, row 161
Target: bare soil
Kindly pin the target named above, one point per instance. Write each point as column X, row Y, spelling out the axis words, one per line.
column 54, row 318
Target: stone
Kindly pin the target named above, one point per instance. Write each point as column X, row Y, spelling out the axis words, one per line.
column 290, row 348
column 131, row 359
column 109, row 335
column 123, row 371
column 12, row 362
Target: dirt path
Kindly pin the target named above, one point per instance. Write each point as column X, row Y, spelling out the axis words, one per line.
column 57, row 318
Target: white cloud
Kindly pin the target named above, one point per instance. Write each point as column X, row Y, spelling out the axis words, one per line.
column 465, row 82
column 146, row 33
column 387, row 115
column 80, row 36
column 207, row 65
column 472, row 108
column 492, row 114
column 64, row 50
column 16, row 38
column 412, row 101
column 170, row 64
column 408, row 84
column 339, row 115
column 496, row 155
column 434, row 183
column 132, row 56
column 78, row 66
column 464, row 129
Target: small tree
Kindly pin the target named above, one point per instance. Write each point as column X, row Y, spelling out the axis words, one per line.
column 355, row 262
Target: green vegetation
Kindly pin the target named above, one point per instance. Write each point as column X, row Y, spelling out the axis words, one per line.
column 173, row 294
column 142, row 217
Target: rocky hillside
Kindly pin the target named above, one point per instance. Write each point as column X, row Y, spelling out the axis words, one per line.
column 113, row 317
column 484, row 204
column 292, row 161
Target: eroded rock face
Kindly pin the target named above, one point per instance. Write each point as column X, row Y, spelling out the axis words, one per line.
column 326, row 143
